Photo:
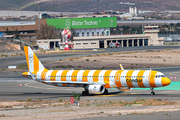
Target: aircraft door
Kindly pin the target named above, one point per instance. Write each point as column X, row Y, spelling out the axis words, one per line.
column 117, row 79
column 43, row 75
column 148, row 75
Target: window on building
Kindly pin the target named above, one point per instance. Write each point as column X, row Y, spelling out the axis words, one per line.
column 92, row 33
column 77, row 34
column 82, row 34
column 102, row 32
column 87, row 33
column 93, row 43
column 85, row 43
column 78, row 43
column 107, row 33
column 97, row 33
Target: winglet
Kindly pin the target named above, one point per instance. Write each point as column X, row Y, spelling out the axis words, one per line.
column 121, row 67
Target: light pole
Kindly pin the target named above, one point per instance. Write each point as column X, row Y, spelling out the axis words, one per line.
column 39, row 16
column 142, row 18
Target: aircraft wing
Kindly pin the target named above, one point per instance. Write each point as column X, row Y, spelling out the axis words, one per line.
column 74, row 82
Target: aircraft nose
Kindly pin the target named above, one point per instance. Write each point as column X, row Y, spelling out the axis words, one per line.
column 165, row 81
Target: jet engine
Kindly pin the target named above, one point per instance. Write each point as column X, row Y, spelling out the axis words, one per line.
column 96, row 89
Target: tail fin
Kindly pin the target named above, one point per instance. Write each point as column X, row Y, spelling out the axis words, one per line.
column 33, row 62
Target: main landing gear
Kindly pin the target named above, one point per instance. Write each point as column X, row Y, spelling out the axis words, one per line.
column 85, row 93
column 152, row 91
column 105, row 92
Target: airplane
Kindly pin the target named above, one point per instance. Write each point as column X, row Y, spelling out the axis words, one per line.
column 94, row 81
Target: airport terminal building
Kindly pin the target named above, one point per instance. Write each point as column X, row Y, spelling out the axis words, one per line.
column 81, row 27
column 95, row 33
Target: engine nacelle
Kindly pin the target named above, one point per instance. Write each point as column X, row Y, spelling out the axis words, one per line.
column 96, row 89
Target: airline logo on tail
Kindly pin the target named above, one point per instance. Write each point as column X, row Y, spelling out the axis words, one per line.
column 94, row 81
column 34, row 65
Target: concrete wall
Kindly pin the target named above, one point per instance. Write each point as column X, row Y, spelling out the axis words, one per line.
column 80, row 42
column 153, row 37
column 86, row 44
column 45, row 44
column 93, row 41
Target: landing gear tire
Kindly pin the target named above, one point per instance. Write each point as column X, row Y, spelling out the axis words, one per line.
column 105, row 92
column 85, row 93
column 152, row 92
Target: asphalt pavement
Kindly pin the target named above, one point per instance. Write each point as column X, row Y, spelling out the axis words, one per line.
column 15, row 61
column 10, row 89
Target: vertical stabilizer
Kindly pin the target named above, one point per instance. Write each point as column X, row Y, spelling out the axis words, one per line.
column 121, row 67
column 32, row 61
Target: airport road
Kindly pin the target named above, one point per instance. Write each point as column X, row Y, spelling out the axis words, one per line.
column 15, row 61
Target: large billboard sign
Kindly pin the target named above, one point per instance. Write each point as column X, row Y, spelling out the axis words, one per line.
column 79, row 23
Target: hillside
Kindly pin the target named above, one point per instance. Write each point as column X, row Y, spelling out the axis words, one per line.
column 86, row 5
column 13, row 4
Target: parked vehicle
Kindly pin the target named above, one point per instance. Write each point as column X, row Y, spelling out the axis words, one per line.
column 114, row 45
column 168, row 39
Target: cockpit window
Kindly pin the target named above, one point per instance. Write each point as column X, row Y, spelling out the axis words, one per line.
column 158, row 76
